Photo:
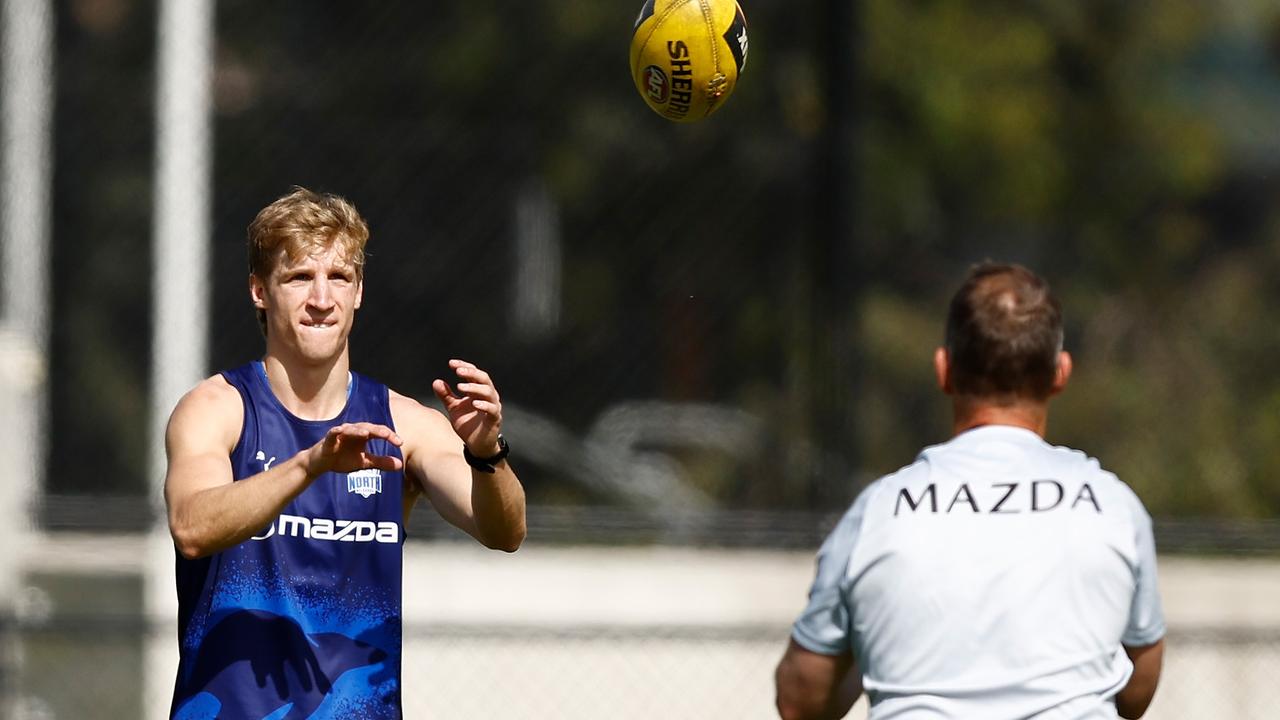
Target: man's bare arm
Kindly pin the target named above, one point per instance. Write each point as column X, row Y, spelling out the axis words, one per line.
column 1134, row 698
column 488, row 506
column 812, row 686
column 208, row 512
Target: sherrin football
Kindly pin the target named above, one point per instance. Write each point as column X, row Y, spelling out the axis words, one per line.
column 686, row 55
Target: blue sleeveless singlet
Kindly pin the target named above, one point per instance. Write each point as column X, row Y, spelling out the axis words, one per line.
column 302, row 620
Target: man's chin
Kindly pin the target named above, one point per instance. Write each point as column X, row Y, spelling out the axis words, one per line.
column 320, row 355
column 318, row 351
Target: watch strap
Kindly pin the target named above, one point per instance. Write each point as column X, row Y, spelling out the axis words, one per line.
column 487, row 464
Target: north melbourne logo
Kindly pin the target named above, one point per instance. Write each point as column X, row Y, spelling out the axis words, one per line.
column 364, row 482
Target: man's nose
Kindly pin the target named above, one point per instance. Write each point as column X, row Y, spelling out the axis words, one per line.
column 321, row 297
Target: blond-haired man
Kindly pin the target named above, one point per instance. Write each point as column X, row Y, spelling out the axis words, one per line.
column 290, row 480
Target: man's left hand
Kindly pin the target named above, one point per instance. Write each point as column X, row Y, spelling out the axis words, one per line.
column 474, row 410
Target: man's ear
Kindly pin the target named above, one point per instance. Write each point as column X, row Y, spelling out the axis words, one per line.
column 359, row 292
column 1063, row 372
column 942, row 369
column 257, row 292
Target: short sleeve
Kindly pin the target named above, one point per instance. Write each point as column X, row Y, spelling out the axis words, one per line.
column 1146, row 616
column 824, row 625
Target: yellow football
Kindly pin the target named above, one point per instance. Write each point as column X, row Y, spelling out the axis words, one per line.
column 686, row 55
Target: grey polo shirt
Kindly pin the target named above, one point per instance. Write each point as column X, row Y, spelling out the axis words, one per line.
column 996, row 577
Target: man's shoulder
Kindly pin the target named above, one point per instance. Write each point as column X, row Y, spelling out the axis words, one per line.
column 405, row 403
column 407, row 411
column 916, row 470
column 210, row 393
column 212, row 408
column 1081, row 464
column 886, row 486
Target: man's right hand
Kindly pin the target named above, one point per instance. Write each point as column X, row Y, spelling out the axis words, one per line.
column 344, row 449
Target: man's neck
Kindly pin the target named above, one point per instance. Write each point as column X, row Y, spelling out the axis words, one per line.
column 971, row 413
column 311, row 392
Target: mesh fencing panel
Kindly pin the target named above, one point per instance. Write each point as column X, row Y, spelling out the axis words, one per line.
column 90, row 669
column 771, row 281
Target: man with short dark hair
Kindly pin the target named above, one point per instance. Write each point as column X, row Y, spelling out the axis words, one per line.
column 997, row 576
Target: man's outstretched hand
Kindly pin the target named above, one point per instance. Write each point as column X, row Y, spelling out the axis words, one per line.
column 475, row 411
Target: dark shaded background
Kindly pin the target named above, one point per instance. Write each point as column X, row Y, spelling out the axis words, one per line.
column 790, row 257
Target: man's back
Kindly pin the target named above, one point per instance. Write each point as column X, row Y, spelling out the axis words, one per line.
column 997, row 576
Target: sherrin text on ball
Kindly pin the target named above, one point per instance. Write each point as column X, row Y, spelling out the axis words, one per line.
column 686, row 55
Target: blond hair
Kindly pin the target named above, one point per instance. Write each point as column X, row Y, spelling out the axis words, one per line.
column 304, row 223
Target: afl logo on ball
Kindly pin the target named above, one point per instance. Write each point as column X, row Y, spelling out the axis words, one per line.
column 655, row 82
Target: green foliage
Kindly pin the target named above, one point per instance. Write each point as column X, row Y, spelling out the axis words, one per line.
column 1071, row 137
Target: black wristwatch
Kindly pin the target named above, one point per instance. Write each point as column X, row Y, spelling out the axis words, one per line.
column 487, row 464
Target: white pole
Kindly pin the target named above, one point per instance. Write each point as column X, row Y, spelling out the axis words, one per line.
column 28, row 92
column 24, row 234
column 27, row 81
column 180, row 288
column 536, row 301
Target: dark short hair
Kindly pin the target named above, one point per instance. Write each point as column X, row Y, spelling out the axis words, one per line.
column 1004, row 333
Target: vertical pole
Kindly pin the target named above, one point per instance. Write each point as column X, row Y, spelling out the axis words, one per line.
column 180, row 289
column 27, row 83
column 25, row 179
column 535, row 307
column 836, row 272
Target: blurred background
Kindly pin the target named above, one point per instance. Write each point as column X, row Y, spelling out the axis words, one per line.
column 708, row 337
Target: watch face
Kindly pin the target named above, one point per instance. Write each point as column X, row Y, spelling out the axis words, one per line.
column 503, row 449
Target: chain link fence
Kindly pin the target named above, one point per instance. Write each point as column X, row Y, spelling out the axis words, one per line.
column 90, row 669
column 771, row 281
column 79, row 646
